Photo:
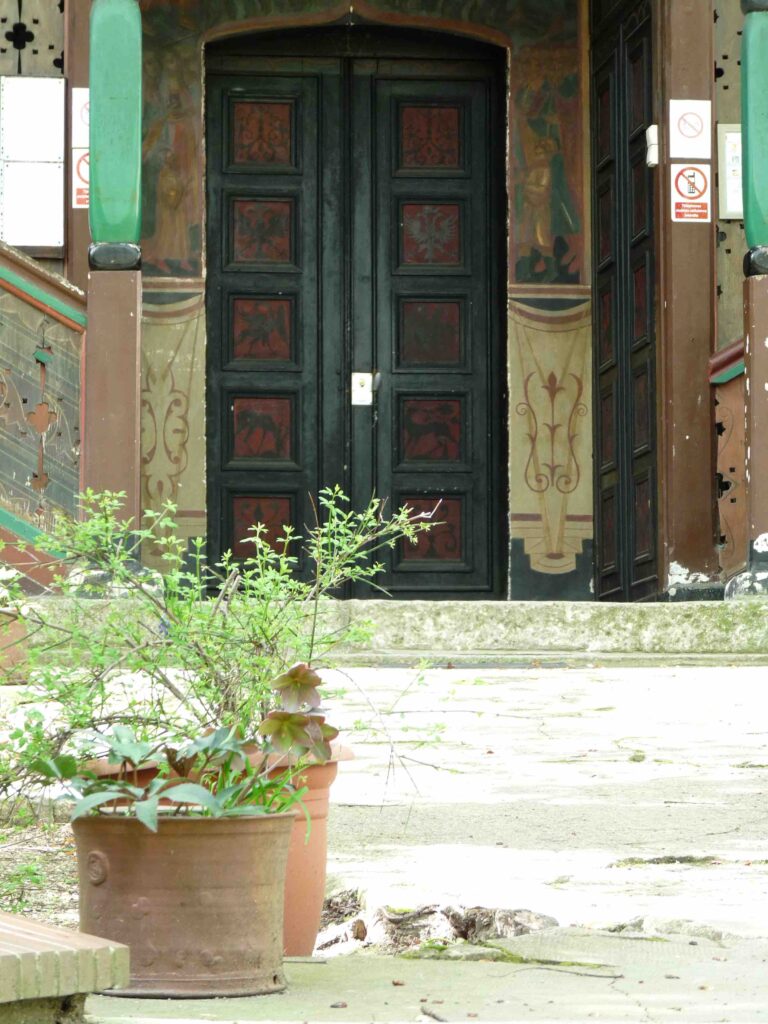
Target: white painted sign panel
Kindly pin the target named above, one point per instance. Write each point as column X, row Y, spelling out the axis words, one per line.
column 32, row 146
column 691, row 193
column 690, row 129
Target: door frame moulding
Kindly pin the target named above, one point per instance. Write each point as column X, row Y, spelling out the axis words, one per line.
column 686, row 277
column 364, row 15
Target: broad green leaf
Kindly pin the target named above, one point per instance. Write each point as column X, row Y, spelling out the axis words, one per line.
column 62, row 767
column 146, row 812
column 94, row 800
column 123, row 746
column 213, row 741
column 192, row 793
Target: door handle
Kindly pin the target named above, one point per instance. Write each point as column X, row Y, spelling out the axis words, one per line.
column 363, row 386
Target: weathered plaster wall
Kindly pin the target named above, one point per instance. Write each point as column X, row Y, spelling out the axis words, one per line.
column 549, row 294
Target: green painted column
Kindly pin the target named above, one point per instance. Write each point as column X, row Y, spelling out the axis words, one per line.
column 753, row 580
column 754, row 100
column 116, row 107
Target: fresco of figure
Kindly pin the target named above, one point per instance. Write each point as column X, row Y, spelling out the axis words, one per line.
column 173, row 201
column 546, row 177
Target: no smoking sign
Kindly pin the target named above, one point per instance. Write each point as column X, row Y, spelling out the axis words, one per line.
column 691, row 197
column 690, row 129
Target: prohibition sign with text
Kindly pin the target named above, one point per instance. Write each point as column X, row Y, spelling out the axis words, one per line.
column 691, row 193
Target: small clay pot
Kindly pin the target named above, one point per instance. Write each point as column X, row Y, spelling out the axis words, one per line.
column 199, row 903
column 308, row 856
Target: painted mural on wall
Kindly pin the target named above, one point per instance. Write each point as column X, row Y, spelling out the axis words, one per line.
column 547, row 244
column 550, row 413
column 547, row 175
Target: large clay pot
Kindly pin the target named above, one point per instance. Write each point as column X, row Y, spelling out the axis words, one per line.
column 307, row 857
column 199, row 903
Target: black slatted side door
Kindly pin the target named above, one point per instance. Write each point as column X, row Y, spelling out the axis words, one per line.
column 624, row 341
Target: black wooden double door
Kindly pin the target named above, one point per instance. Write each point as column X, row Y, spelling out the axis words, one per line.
column 624, row 296
column 353, row 300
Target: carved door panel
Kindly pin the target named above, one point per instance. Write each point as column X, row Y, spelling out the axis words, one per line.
column 271, row 440
column 433, row 309
column 624, row 341
column 353, row 227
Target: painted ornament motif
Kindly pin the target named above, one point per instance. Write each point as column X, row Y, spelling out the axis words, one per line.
column 263, row 134
column 431, row 138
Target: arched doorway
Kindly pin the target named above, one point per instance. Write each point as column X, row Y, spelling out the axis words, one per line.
column 356, row 265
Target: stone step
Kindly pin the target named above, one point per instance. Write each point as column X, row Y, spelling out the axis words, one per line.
column 46, row 972
column 498, row 631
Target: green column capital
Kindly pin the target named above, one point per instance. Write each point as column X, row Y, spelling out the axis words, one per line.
column 115, row 116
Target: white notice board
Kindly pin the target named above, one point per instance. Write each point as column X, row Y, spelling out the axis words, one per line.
column 731, row 199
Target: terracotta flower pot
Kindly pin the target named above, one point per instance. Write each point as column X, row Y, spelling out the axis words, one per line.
column 104, row 769
column 307, row 857
column 199, row 903
column 307, row 860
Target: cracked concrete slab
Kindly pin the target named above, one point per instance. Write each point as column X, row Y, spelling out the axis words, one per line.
column 555, row 790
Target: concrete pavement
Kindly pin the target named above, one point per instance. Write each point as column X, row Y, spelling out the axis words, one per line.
column 606, row 979
column 560, row 791
column 631, row 799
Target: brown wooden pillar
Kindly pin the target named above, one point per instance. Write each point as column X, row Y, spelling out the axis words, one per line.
column 112, row 386
column 754, row 580
column 686, row 316
column 76, row 51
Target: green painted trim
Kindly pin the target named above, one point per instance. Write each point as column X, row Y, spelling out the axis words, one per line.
column 733, row 371
column 36, row 292
column 20, row 527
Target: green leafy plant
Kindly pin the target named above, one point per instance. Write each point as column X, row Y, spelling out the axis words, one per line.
column 16, row 885
column 194, row 649
column 214, row 776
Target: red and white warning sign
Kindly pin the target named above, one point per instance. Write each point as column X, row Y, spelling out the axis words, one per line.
column 80, row 122
column 691, row 193
column 80, row 179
